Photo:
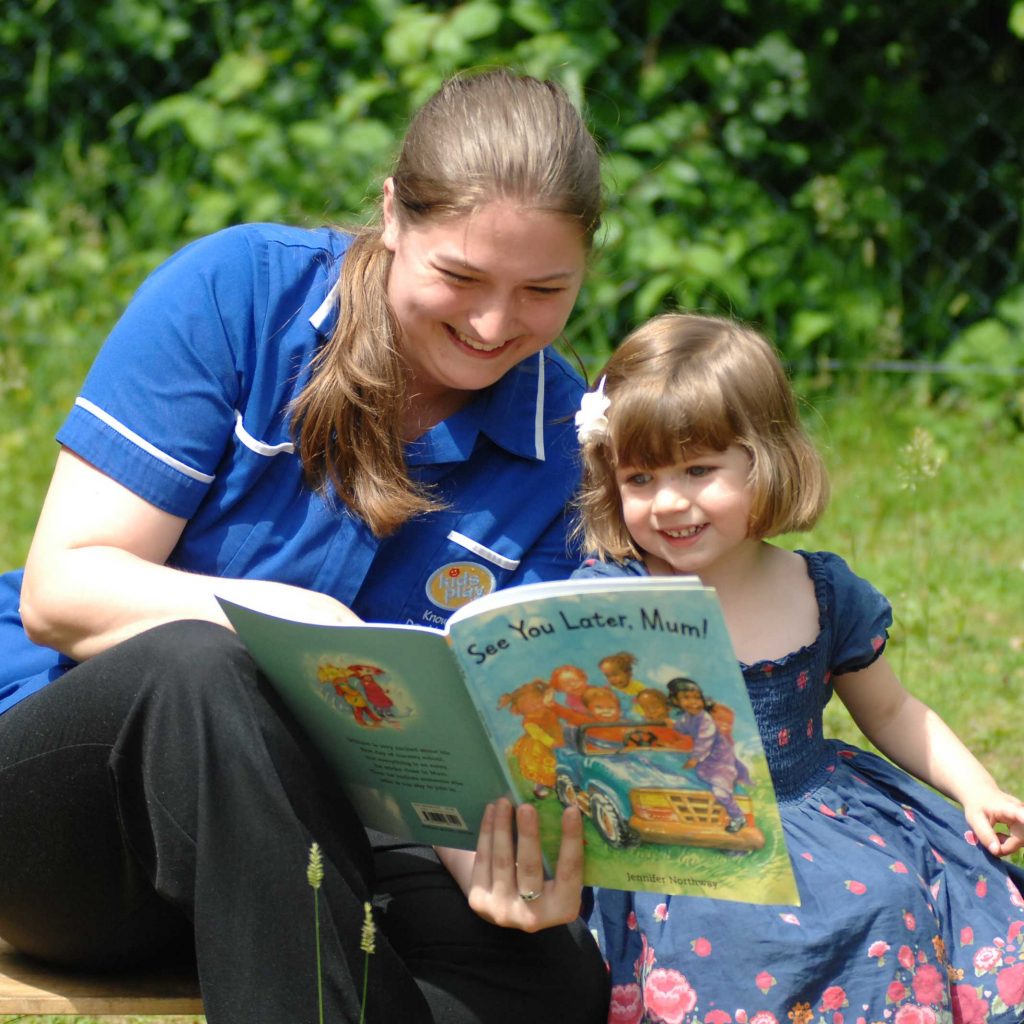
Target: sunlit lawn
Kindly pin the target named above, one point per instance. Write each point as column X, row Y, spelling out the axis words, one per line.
column 927, row 504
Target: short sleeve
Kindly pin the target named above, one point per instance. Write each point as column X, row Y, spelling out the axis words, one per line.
column 860, row 616
column 156, row 408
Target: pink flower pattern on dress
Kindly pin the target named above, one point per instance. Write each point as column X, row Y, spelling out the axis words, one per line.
column 929, row 985
column 968, row 1006
column 627, row 1005
column 833, row 998
column 878, row 950
column 668, row 996
column 1010, row 984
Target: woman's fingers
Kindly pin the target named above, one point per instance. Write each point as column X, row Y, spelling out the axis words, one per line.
column 529, row 861
column 508, row 885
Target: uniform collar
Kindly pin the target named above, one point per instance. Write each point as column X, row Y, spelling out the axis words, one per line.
column 510, row 412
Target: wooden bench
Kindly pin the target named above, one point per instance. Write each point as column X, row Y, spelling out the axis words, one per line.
column 28, row 986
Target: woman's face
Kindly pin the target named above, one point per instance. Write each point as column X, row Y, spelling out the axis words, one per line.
column 476, row 294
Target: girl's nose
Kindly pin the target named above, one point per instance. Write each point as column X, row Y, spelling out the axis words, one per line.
column 671, row 498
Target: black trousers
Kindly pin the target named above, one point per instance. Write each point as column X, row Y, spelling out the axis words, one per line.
column 158, row 798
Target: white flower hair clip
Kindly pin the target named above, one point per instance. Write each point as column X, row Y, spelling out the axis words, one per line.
column 591, row 421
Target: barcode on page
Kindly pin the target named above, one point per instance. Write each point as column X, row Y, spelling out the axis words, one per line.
column 440, row 817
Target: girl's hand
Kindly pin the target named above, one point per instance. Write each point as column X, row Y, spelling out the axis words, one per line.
column 990, row 807
column 505, row 870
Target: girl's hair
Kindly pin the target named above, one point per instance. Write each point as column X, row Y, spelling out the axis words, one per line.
column 534, row 688
column 623, row 661
column 557, row 674
column 684, row 384
column 484, row 137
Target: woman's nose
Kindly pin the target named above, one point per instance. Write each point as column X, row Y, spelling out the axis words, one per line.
column 494, row 321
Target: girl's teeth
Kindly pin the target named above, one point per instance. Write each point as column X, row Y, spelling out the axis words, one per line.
column 688, row 532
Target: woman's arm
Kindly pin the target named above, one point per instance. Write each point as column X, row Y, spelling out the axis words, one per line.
column 95, row 573
column 919, row 741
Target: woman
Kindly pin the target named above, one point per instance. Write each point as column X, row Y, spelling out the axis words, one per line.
column 324, row 427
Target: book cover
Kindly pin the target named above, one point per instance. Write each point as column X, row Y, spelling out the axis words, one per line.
column 623, row 697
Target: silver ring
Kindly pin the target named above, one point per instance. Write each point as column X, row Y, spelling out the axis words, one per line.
column 530, row 896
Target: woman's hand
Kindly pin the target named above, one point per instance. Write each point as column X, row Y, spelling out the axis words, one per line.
column 286, row 601
column 990, row 807
column 507, row 870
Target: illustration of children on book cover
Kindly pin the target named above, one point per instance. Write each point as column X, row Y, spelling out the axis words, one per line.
column 364, row 690
column 654, row 740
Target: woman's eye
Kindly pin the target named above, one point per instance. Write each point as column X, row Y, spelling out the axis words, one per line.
column 455, row 278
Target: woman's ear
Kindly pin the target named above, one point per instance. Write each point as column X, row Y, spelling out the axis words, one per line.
column 389, row 234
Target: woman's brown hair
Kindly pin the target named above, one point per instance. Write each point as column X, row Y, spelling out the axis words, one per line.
column 682, row 384
column 481, row 137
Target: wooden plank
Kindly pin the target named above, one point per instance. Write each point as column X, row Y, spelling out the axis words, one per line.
column 30, row 986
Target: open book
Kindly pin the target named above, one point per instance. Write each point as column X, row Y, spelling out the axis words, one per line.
column 622, row 696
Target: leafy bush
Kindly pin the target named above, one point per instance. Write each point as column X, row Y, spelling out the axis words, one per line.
column 845, row 175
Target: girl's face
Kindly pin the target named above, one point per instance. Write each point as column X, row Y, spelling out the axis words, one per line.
column 476, row 294
column 653, row 706
column 604, row 705
column 570, row 682
column 616, row 675
column 691, row 516
column 690, row 701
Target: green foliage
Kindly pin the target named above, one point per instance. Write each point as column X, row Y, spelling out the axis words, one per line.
column 846, row 176
column 790, row 163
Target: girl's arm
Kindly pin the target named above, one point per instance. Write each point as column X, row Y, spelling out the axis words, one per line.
column 912, row 735
column 95, row 573
column 508, row 861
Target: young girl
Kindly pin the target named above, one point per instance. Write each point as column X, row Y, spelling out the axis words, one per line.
column 693, row 456
column 618, row 670
column 714, row 757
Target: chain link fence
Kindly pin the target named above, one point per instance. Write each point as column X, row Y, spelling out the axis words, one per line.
column 893, row 132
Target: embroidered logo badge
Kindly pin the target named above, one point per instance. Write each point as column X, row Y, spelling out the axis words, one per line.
column 457, row 583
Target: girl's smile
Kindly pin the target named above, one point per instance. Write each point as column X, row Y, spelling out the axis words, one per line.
column 686, row 517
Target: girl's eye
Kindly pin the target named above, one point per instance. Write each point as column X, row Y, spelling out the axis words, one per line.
column 638, row 479
column 701, row 470
column 545, row 290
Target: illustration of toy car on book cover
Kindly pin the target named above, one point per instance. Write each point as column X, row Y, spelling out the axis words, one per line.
column 646, row 764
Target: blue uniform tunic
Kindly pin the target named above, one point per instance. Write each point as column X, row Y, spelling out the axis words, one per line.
column 187, row 405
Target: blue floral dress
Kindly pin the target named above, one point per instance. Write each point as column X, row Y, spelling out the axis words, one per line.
column 903, row 919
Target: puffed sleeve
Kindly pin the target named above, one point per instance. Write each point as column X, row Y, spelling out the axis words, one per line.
column 860, row 616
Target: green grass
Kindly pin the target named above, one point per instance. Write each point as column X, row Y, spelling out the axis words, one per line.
column 926, row 504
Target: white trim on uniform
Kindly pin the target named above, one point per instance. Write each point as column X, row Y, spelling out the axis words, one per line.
column 324, row 310
column 129, row 434
column 538, row 423
column 259, row 447
column 478, row 549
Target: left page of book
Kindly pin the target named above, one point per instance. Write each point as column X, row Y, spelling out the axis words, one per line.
column 388, row 710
